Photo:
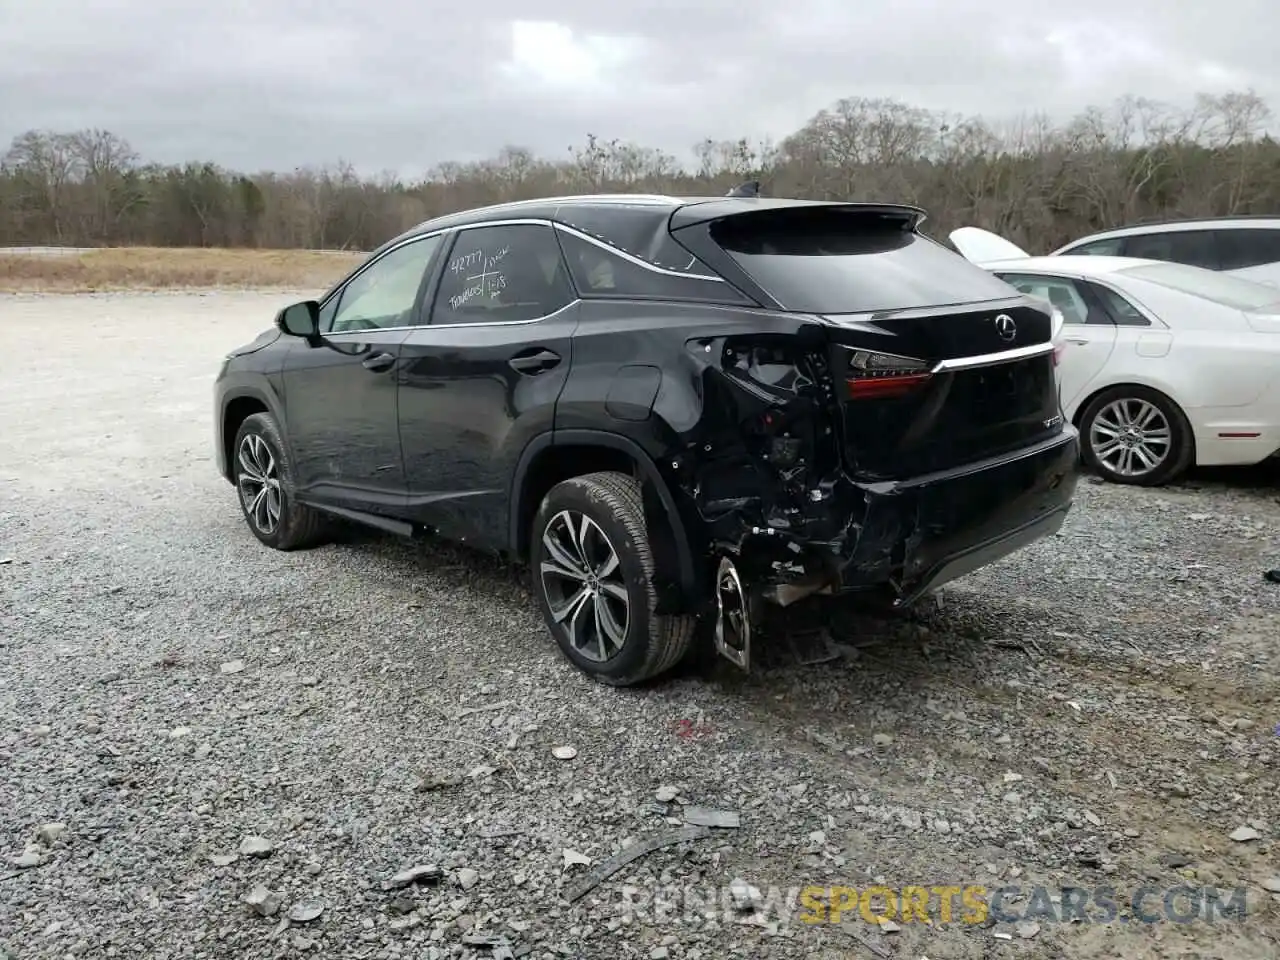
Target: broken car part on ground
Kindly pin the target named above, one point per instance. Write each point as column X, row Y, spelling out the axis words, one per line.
column 676, row 410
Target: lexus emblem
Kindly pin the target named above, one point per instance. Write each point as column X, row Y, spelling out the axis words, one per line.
column 1005, row 327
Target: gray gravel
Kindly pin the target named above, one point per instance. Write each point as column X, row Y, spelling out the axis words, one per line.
column 208, row 749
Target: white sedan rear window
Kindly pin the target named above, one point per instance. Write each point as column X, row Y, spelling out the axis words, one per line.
column 1210, row 285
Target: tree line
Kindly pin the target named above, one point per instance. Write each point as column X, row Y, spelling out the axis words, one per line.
column 1037, row 182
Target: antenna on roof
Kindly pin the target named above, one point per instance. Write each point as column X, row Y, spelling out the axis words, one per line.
column 749, row 189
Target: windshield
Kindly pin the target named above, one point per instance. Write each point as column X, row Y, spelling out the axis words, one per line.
column 1208, row 284
column 834, row 260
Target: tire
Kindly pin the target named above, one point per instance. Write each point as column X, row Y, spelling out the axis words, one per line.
column 1145, row 410
column 259, row 451
column 617, row 643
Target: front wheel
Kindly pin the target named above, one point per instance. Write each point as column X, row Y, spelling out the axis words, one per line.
column 592, row 572
column 264, row 483
column 1136, row 435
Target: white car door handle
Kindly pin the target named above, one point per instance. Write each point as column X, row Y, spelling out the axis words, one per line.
column 1077, row 340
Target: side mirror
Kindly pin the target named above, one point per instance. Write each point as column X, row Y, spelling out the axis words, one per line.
column 300, row 320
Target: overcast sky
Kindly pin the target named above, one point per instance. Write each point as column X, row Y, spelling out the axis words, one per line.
column 399, row 85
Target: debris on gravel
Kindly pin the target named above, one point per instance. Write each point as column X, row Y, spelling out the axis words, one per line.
column 262, row 901
column 256, row 847
column 427, row 873
column 306, row 911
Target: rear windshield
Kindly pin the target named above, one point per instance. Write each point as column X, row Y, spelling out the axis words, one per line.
column 1208, row 284
column 836, row 260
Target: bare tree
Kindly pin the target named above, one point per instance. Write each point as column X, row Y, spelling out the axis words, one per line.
column 1037, row 182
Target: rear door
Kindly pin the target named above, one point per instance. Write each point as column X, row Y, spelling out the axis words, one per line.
column 482, row 377
column 937, row 362
column 1088, row 334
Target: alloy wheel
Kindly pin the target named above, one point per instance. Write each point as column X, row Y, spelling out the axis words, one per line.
column 259, row 483
column 583, row 583
column 1131, row 437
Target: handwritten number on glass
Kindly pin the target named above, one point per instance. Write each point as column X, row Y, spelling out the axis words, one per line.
column 480, row 274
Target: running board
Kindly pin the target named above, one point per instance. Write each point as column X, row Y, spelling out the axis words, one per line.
column 398, row 527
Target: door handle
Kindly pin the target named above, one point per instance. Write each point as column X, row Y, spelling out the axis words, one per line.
column 534, row 360
column 1076, row 340
column 379, row 362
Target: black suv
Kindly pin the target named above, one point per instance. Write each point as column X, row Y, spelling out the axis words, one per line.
column 674, row 409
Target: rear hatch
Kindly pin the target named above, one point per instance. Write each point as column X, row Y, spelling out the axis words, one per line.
column 937, row 363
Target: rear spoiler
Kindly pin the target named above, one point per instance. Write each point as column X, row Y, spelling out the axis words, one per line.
column 704, row 211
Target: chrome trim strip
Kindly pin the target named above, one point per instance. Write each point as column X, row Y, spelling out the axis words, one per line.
column 355, row 334
column 992, row 359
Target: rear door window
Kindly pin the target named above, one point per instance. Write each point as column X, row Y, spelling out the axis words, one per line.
column 1060, row 292
column 1196, row 248
column 510, row 273
column 834, row 260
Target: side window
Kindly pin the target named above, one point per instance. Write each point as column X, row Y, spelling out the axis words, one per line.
column 385, row 293
column 1062, row 293
column 1121, row 310
column 1196, row 248
column 1099, row 248
column 1248, row 247
column 502, row 274
column 599, row 271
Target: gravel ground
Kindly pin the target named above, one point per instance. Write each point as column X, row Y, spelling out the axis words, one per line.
column 188, row 720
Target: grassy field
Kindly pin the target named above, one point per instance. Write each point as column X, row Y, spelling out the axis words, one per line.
column 160, row 268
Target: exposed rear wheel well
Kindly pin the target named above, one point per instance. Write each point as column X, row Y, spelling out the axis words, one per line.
column 237, row 411
column 556, row 464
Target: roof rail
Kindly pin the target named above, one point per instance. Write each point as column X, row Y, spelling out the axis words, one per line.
column 1174, row 221
column 594, row 197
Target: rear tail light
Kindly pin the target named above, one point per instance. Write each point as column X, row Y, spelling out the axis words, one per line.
column 876, row 376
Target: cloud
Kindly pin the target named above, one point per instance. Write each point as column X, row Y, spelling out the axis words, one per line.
column 399, row 85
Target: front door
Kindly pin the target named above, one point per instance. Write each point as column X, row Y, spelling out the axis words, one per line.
column 482, row 377
column 1088, row 335
column 340, row 395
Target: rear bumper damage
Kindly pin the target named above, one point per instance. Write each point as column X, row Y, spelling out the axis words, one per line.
column 907, row 536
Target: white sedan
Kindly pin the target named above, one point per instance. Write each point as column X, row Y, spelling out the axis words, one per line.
column 1162, row 365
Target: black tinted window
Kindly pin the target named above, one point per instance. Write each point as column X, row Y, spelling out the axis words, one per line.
column 1196, row 248
column 1248, row 247
column 502, row 274
column 599, row 271
column 848, row 261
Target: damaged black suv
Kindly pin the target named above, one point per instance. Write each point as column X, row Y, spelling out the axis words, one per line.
column 673, row 409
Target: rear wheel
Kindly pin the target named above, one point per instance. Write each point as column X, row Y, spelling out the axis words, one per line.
column 592, row 572
column 1136, row 435
column 265, row 485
